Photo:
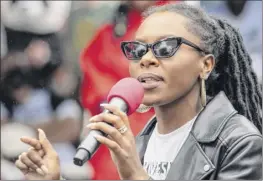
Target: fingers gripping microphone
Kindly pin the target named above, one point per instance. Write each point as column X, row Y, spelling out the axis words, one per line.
column 127, row 95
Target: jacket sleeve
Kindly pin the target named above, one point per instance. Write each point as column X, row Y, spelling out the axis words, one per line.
column 243, row 160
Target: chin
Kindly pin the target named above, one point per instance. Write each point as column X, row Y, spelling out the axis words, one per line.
column 152, row 101
column 157, row 100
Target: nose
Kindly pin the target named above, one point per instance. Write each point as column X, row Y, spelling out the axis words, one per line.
column 149, row 60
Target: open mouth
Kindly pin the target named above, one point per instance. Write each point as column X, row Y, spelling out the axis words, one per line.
column 150, row 81
column 149, row 77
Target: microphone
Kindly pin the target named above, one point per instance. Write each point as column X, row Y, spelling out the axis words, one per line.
column 127, row 95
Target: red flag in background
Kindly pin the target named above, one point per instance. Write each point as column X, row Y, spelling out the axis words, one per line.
column 103, row 64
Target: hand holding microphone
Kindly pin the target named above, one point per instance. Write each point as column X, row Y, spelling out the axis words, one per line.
column 111, row 128
column 120, row 142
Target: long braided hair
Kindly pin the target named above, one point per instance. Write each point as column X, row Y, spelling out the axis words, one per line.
column 233, row 72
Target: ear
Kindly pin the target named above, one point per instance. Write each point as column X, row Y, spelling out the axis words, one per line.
column 208, row 64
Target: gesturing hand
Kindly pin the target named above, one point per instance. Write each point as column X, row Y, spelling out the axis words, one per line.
column 40, row 162
column 122, row 145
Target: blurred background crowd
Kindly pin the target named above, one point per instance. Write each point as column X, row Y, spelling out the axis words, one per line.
column 60, row 58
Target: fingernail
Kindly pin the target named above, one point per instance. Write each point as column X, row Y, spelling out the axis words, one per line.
column 97, row 136
column 42, row 134
column 91, row 120
column 44, row 168
column 40, row 171
column 89, row 126
column 103, row 104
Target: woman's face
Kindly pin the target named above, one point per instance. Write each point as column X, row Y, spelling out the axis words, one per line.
column 172, row 77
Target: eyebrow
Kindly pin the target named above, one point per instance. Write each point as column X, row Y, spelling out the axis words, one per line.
column 155, row 39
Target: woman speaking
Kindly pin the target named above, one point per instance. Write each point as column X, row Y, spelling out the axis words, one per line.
column 197, row 75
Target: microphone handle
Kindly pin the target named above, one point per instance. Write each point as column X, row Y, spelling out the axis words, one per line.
column 90, row 144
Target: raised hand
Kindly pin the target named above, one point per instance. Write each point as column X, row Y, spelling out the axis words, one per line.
column 41, row 161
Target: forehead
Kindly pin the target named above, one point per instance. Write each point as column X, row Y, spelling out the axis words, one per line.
column 163, row 24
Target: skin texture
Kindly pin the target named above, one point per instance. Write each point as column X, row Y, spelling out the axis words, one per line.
column 176, row 100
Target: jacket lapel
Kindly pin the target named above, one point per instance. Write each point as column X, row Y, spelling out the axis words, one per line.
column 191, row 163
column 141, row 145
column 143, row 138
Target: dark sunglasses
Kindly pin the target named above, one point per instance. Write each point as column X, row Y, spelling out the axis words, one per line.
column 165, row 48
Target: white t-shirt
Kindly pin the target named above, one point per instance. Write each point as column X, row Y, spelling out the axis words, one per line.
column 162, row 150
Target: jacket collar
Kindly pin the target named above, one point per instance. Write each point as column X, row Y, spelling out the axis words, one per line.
column 210, row 121
column 206, row 128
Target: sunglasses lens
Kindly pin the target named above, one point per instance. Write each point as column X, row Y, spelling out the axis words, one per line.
column 165, row 48
column 134, row 50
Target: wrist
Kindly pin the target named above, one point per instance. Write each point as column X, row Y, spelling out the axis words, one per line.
column 57, row 177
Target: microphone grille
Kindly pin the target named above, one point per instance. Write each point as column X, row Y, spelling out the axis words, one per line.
column 130, row 90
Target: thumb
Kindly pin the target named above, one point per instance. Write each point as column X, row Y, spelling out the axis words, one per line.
column 46, row 145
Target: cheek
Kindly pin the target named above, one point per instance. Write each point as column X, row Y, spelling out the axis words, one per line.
column 183, row 72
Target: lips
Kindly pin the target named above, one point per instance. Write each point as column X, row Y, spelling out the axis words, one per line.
column 150, row 81
column 147, row 77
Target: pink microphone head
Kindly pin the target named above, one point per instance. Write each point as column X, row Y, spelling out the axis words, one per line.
column 130, row 90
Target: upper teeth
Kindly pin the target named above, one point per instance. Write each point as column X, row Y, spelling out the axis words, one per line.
column 147, row 79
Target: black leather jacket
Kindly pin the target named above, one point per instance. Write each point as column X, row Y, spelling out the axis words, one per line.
column 222, row 145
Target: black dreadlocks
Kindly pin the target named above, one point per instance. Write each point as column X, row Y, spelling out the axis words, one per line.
column 233, row 73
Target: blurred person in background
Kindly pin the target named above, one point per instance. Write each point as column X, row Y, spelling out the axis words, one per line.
column 11, row 60
column 52, row 109
column 39, row 56
column 85, row 19
column 44, row 93
column 247, row 17
column 10, row 131
column 27, row 22
column 103, row 64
